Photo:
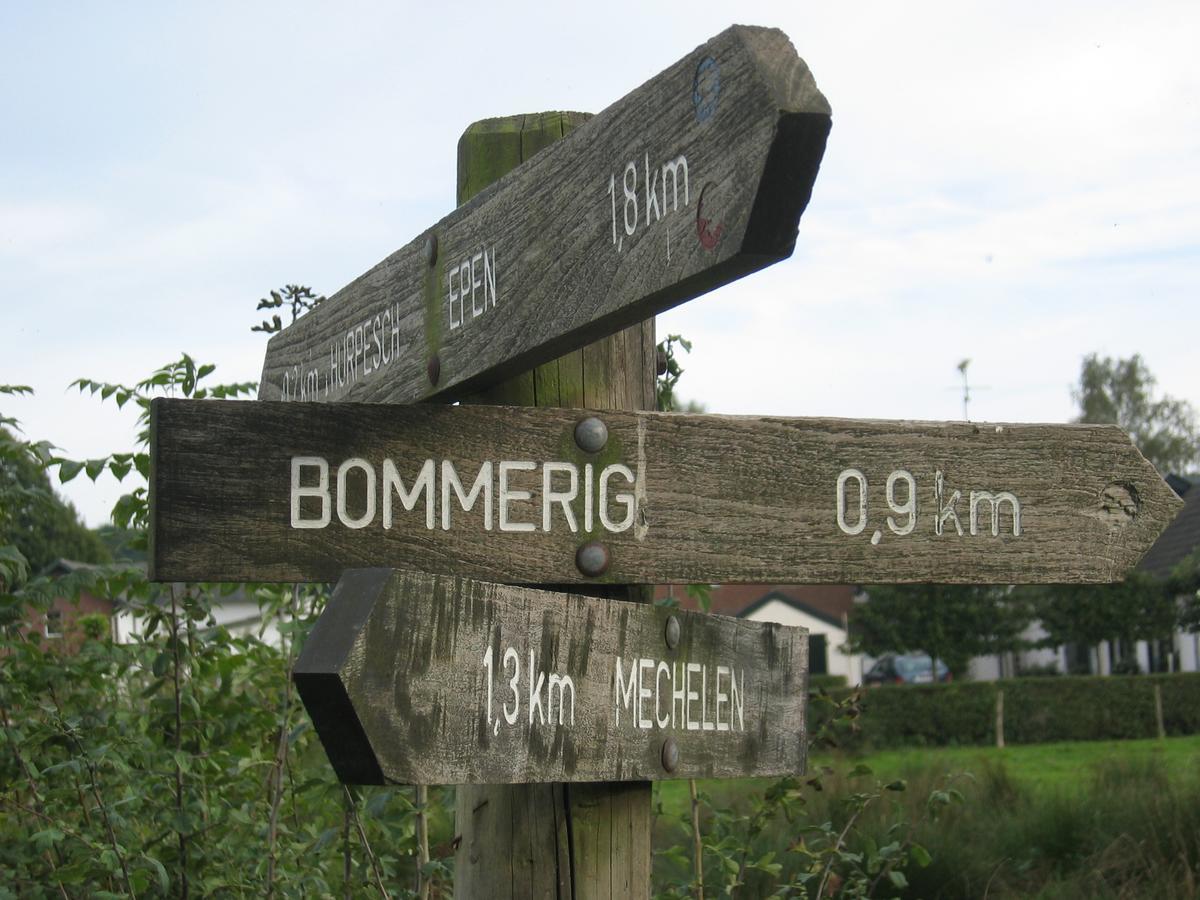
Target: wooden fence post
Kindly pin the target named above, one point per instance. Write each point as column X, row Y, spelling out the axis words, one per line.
column 1000, row 718
column 1158, row 712
column 555, row 840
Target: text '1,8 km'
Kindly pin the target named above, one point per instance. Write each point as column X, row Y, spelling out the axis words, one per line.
column 694, row 179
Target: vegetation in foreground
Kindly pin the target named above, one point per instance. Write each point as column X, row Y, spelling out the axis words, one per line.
column 1088, row 819
column 180, row 763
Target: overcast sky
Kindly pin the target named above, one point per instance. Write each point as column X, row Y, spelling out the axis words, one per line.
column 1015, row 183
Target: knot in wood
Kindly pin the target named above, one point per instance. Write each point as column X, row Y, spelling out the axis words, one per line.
column 1120, row 504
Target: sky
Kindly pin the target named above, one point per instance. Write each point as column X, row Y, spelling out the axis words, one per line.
column 1017, row 184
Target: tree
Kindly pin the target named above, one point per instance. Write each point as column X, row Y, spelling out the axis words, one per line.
column 38, row 522
column 1185, row 585
column 950, row 622
column 1121, row 392
column 1136, row 609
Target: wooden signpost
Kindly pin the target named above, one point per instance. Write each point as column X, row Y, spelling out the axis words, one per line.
column 427, row 679
column 546, row 496
column 691, row 181
column 554, row 710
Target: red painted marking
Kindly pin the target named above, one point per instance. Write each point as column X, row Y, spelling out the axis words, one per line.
column 709, row 236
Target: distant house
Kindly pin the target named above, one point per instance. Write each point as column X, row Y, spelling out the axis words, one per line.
column 59, row 623
column 822, row 609
column 1179, row 653
column 1180, row 539
column 236, row 611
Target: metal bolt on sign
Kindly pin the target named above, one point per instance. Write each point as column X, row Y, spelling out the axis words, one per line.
column 591, row 434
column 592, row 559
column 672, row 632
column 670, row 754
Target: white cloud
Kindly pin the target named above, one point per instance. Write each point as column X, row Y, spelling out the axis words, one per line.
column 1013, row 184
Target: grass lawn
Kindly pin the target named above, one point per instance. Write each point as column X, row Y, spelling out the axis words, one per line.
column 1061, row 766
column 1043, row 765
column 1069, row 821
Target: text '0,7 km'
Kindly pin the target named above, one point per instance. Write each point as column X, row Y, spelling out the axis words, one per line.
column 693, row 180
column 512, row 495
column 416, row 678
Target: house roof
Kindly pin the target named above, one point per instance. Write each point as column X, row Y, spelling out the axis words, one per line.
column 799, row 605
column 1179, row 539
column 68, row 566
column 828, row 602
column 1178, row 483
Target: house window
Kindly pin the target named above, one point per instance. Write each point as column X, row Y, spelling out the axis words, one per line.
column 54, row 623
column 818, row 657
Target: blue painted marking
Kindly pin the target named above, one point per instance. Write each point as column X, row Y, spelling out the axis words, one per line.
column 706, row 88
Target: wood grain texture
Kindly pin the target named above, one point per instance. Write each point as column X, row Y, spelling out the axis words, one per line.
column 617, row 373
column 441, row 680
column 711, row 164
column 715, row 498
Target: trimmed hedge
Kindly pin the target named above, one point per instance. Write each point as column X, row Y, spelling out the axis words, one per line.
column 826, row 682
column 1036, row 710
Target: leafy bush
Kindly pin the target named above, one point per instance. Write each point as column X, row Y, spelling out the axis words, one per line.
column 180, row 762
column 1036, row 710
column 826, row 682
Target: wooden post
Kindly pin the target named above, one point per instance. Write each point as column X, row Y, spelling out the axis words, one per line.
column 555, row 840
column 422, row 798
column 1158, row 712
column 1000, row 718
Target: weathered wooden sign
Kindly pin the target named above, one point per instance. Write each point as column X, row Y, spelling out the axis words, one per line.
column 416, row 678
column 694, row 179
column 299, row 492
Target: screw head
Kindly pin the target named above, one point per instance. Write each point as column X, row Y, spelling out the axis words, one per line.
column 672, row 632
column 433, row 368
column 591, row 434
column 670, row 755
column 431, row 248
column 592, row 559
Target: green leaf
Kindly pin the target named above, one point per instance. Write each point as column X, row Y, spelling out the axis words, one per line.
column 161, row 662
column 920, row 855
column 46, row 839
column 94, row 467
column 68, row 469
column 898, row 785
column 897, row 879
column 860, row 770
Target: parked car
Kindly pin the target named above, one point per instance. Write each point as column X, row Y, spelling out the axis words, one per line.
column 907, row 668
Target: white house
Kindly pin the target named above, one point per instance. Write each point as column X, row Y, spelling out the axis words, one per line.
column 822, row 609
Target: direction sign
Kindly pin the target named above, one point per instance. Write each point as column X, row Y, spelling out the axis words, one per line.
column 299, row 492
column 696, row 178
column 416, row 678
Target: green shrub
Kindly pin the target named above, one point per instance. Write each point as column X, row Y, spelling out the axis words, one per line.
column 826, row 682
column 1036, row 710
